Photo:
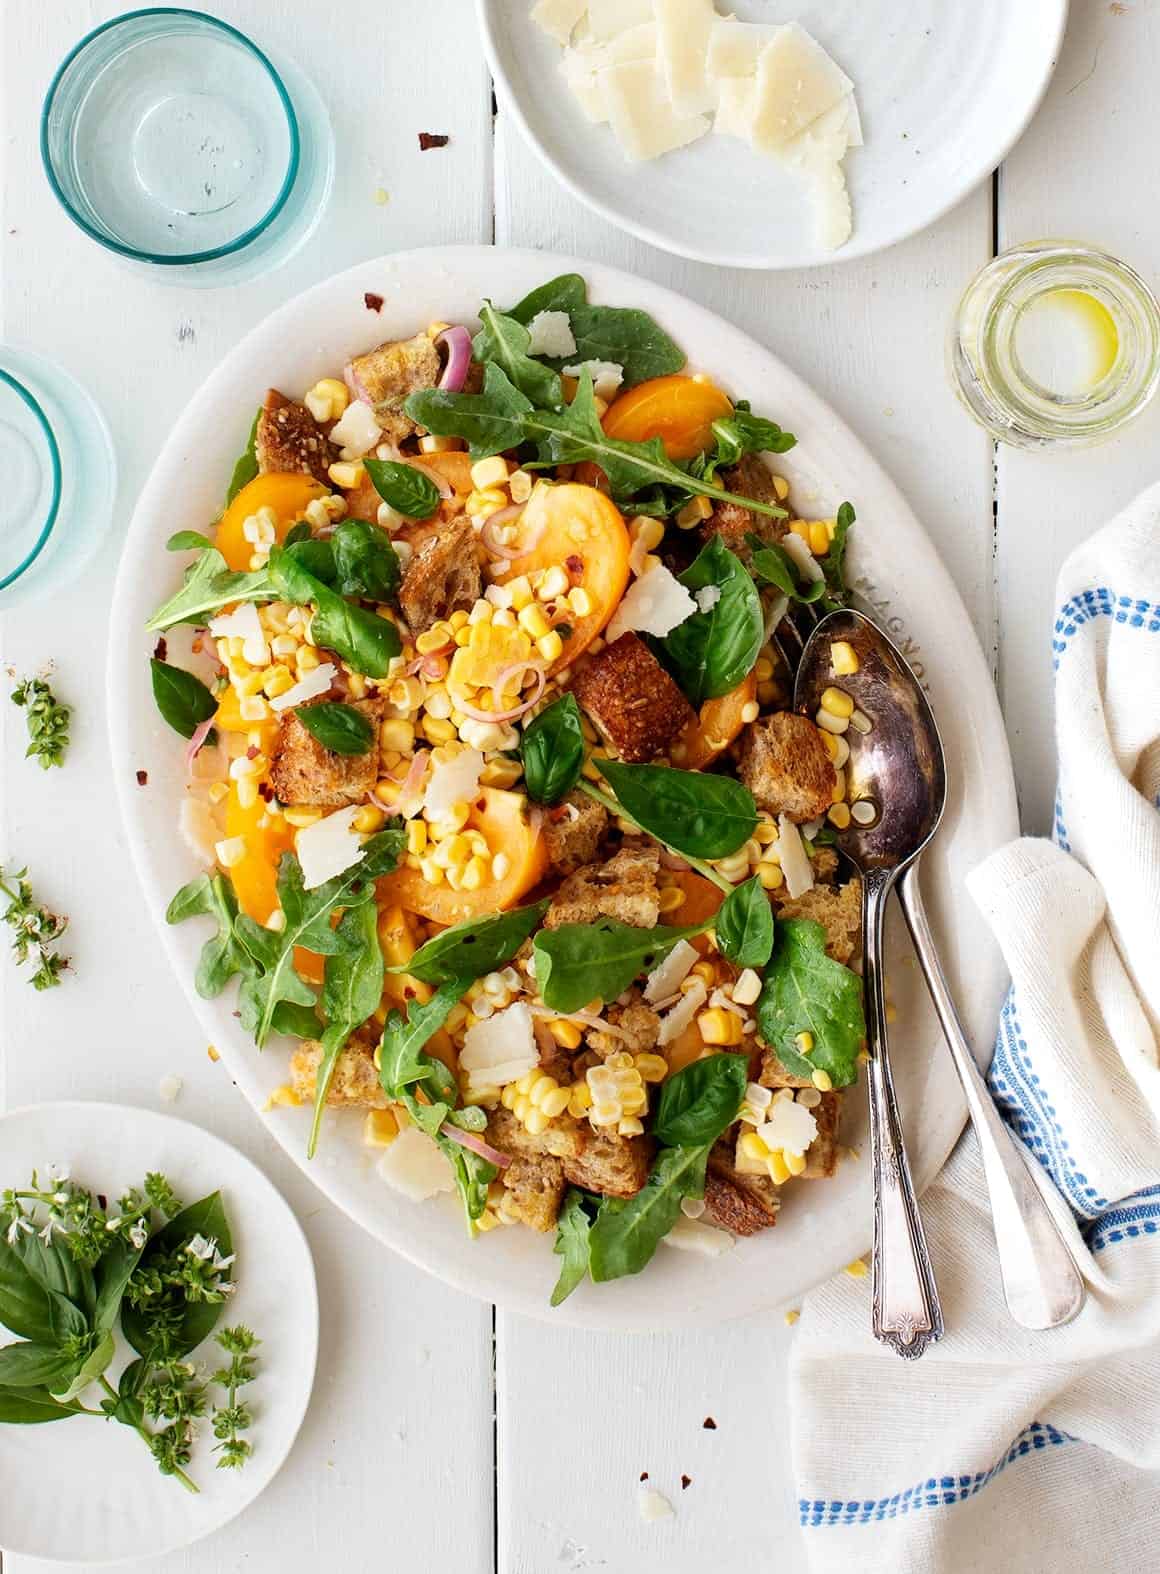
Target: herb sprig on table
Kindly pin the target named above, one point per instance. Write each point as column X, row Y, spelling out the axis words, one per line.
column 72, row 1270
column 35, row 930
column 48, row 721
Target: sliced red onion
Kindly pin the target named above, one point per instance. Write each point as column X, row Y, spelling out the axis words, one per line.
column 458, row 342
column 501, row 517
column 200, row 733
column 357, row 387
column 497, row 689
column 470, row 1139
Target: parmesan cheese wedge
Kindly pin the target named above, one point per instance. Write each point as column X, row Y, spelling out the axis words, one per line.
column 796, row 83
column 683, row 31
column 734, row 47
column 736, row 107
column 641, row 115
column 652, row 605
column 414, row 1166
column 559, row 17
column 607, row 18
column 328, row 847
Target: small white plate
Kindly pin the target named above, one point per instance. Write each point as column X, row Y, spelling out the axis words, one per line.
column 944, row 87
column 86, row 1491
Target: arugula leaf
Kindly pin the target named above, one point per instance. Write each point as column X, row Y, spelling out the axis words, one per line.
column 604, row 333
column 404, row 1069
column 577, row 963
column 700, row 1101
column 562, row 294
column 209, row 585
column 489, row 421
column 293, row 1020
column 339, row 728
column 573, row 1224
column 698, row 814
column 552, row 749
column 246, row 467
column 471, row 949
column 627, row 1234
column 188, row 541
column 366, row 642
column 771, row 564
column 222, row 955
column 365, row 561
column 33, row 1406
column 472, row 1175
column 746, row 433
column 404, row 487
column 308, row 923
column 183, row 700
column 744, row 925
column 207, row 1218
column 833, row 565
column 503, row 341
column 710, row 652
column 805, row 991
column 351, row 991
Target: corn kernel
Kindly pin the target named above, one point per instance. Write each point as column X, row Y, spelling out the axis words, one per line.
column 521, row 590
column 718, row 1026
column 795, row 1163
column 553, row 585
column 550, row 646
column 837, row 702
column 430, row 871
column 437, row 731
column 780, row 488
column 856, row 1269
column 819, row 538
column 346, row 475
column 579, row 1099
column 843, row 658
column 671, row 898
column 566, row 1034
column 861, row 722
column 653, row 1068
column 231, row 851
column 436, row 638
column 778, row 1169
column 380, row 1128
column 694, row 511
column 278, row 680
column 475, row 873
column 301, row 815
column 770, row 876
column 501, row 866
column 580, row 601
column 307, row 659
column 555, row 1102
column 829, row 722
column 487, row 473
column 533, row 621
column 520, row 485
column 822, row 1080
column 368, row 819
column 839, row 816
column 253, row 709
column 482, row 504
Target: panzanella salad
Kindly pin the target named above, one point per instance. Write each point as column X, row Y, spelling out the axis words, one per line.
column 502, row 811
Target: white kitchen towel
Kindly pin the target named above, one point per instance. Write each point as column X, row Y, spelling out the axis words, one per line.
column 1002, row 1449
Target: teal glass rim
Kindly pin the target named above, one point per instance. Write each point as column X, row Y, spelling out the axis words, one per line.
column 54, row 459
column 182, row 259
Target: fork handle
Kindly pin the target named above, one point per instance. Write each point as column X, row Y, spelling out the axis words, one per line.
column 1041, row 1283
column 906, row 1311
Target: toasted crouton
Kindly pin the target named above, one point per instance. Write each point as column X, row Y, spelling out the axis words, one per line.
column 386, row 376
column 822, row 1153
column 533, row 1191
column 572, row 832
column 750, row 477
column 611, row 1164
column 288, row 438
column 825, row 862
column 443, row 577
column 637, row 1027
column 787, row 767
column 305, row 772
column 744, row 1204
column 838, row 908
column 355, row 1083
column 624, row 888
column 636, row 706
column 562, row 1139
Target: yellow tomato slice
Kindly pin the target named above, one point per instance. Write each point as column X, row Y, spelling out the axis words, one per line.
column 679, row 410
column 255, row 877
column 718, row 722
column 286, row 494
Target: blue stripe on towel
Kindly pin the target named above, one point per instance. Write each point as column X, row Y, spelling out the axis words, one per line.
column 1128, row 1220
column 936, row 1492
column 1102, row 602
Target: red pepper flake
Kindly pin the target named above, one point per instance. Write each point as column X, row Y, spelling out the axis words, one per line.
column 432, row 139
column 252, row 752
column 143, row 776
column 373, row 302
column 709, row 1424
column 574, row 564
column 686, row 1483
column 265, row 791
column 161, row 649
column 644, row 1475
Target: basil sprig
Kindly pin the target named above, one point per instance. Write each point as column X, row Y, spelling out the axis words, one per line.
column 404, row 487
column 744, row 925
column 470, row 949
column 693, row 812
column 183, row 700
column 339, row 728
column 697, row 1104
column 367, row 642
column 710, row 652
column 805, row 991
column 552, row 749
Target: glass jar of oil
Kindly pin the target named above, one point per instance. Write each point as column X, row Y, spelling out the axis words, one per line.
column 1055, row 345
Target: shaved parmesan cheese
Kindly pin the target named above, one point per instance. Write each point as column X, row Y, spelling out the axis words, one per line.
column 414, row 1166
column 328, row 847
column 551, row 334
column 736, row 107
column 734, row 47
column 501, row 1049
column 791, row 1127
column 796, row 82
column 357, row 431
column 196, row 827
column 666, row 978
column 586, row 86
column 607, row 376
column 307, row 688
column 690, row 1235
column 607, row 18
column 244, row 624
column 451, row 782
column 654, row 1505
column 652, row 605
column 641, row 115
column 559, row 17
column 803, row 559
column 674, row 1022
column 683, row 32
column 707, row 597
column 795, row 861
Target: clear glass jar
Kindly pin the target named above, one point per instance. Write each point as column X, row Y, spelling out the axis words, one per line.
column 1055, row 345
column 175, row 142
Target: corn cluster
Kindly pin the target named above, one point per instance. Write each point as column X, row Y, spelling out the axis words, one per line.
column 535, row 1100
column 780, row 1163
column 816, row 533
column 619, row 1095
column 835, row 716
column 759, row 856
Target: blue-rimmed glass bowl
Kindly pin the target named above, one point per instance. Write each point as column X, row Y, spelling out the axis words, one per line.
column 176, row 143
column 60, row 476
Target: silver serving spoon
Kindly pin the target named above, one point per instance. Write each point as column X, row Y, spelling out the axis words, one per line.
column 899, row 768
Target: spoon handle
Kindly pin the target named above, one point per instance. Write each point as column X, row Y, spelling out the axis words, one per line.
column 906, row 1311
column 1041, row 1283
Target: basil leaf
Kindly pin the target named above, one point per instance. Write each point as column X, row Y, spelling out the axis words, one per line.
column 744, row 925
column 246, row 467
column 626, row 1234
column 489, row 421
column 503, row 341
column 98, row 1358
column 552, row 749
column 577, row 963
column 27, row 1307
column 33, row 1406
column 771, row 564
column 112, row 1274
column 316, row 557
column 471, row 949
column 404, row 487
column 805, row 991
column 223, row 955
column 700, row 815
column 366, row 642
column 272, row 978
column 298, row 532
column 207, row 1218
column 573, row 1225
column 32, row 1365
column 351, row 991
column 53, row 1267
column 833, row 565
column 183, row 700
column 700, row 1101
column 339, row 728
column 188, row 541
column 365, row 561
column 209, row 585
column 563, row 294
column 710, row 652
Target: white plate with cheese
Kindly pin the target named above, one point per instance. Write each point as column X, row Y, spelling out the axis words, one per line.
column 762, row 135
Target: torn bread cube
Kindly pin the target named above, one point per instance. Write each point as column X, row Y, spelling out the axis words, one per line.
column 632, row 700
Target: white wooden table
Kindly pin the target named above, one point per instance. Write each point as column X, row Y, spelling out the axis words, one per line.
column 444, row 1434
